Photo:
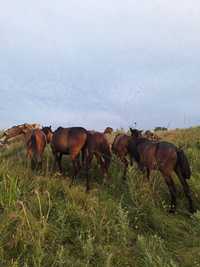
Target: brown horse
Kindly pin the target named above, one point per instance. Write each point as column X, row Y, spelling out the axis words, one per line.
column 120, row 148
column 166, row 158
column 18, row 130
column 36, row 145
column 97, row 145
column 151, row 136
column 108, row 130
column 69, row 141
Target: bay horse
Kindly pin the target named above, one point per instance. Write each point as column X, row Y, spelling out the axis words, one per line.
column 166, row 158
column 69, row 141
column 97, row 145
column 36, row 145
column 120, row 148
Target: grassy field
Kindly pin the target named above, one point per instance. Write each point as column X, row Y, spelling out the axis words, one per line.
column 45, row 223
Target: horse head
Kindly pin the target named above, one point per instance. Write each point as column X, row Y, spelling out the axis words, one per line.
column 48, row 132
column 136, row 133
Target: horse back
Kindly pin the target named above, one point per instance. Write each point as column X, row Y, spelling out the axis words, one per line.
column 65, row 139
column 167, row 152
column 120, row 143
column 97, row 142
column 157, row 155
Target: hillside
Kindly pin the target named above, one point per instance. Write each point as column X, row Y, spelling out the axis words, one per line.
column 45, row 223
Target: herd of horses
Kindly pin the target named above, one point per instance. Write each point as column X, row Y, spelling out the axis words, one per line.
column 83, row 145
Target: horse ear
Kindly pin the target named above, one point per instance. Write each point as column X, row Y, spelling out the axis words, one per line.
column 50, row 126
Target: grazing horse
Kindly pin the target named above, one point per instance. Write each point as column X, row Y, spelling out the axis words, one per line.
column 36, row 145
column 151, row 136
column 108, row 130
column 18, row 130
column 120, row 148
column 97, row 145
column 69, row 141
column 166, row 158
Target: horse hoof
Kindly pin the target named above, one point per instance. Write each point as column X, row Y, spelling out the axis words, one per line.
column 192, row 210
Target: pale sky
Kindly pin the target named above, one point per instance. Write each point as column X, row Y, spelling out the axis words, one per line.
column 100, row 63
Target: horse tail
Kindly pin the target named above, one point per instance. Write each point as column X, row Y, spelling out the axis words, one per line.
column 33, row 141
column 183, row 164
column 32, row 145
column 84, row 151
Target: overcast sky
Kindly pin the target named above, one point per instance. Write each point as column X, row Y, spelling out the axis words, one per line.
column 100, row 63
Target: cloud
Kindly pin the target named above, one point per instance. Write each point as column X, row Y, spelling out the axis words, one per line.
column 100, row 63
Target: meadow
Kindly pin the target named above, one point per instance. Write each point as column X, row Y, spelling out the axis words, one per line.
column 45, row 223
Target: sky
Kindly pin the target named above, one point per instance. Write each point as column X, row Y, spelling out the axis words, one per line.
column 100, row 63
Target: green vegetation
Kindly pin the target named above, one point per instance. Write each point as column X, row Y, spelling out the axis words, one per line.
column 45, row 223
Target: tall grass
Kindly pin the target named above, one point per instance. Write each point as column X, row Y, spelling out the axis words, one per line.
column 45, row 223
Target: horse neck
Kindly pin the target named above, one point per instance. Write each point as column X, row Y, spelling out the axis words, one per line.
column 134, row 147
column 50, row 138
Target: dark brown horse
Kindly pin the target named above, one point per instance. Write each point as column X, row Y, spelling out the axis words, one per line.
column 97, row 145
column 120, row 148
column 166, row 158
column 69, row 141
column 36, row 145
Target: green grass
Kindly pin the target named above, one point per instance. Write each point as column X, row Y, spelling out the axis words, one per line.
column 45, row 223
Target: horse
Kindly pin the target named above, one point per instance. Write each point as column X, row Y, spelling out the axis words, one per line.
column 36, row 145
column 120, row 148
column 151, row 136
column 108, row 130
column 69, row 141
column 97, row 145
column 48, row 132
column 166, row 158
column 18, row 130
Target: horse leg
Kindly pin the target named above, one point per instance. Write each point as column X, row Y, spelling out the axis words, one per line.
column 124, row 160
column 186, row 190
column 76, row 165
column 38, row 161
column 172, row 190
column 33, row 165
column 83, row 156
column 107, row 162
column 148, row 174
column 87, row 166
column 57, row 160
column 131, row 160
column 102, row 165
column 75, row 153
